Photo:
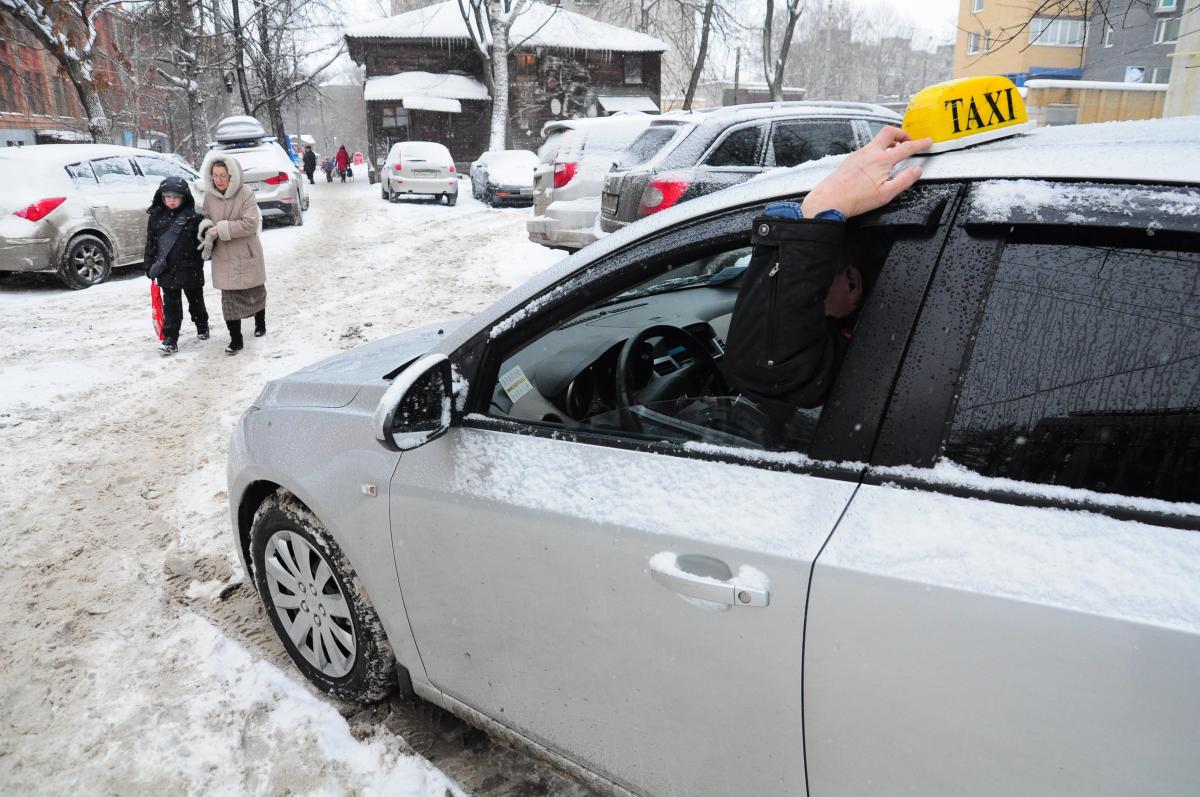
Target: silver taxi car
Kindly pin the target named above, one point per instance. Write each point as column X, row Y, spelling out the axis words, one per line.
column 978, row 575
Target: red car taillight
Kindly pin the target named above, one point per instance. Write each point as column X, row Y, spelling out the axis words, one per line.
column 40, row 209
column 563, row 173
column 396, row 168
column 278, row 179
column 660, row 195
column 452, row 168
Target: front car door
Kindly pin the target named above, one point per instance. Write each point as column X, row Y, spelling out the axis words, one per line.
column 563, row 567
column 1010, row 604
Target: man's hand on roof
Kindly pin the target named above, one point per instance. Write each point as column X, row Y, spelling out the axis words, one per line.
column 864, row 181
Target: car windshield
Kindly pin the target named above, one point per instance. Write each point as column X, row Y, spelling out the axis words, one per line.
column 425, row 151
column 713, row 270
column 647, row 145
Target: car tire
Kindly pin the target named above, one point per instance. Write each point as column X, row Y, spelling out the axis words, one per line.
column 489, row 198
column 349, row 658
column 452, row 199
column 383, row 190
column 297, row 219
column 87, row 261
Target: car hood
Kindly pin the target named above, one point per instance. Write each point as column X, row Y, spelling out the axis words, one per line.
column 334, row 382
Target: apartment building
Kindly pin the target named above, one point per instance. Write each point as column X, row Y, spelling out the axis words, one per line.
column 1002, row 37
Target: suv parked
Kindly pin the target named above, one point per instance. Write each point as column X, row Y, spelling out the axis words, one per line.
column 690, row 155
column 78, row 210
column 276, row 181
column 570, row 175
column 979, row 575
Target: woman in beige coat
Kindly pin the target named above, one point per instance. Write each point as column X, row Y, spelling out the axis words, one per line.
column 230, row 235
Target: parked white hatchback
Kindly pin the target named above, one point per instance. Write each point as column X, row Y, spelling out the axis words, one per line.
column 266, row 168
column 419, row 167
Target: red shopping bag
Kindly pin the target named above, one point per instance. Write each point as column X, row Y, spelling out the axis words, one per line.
column 156, row 308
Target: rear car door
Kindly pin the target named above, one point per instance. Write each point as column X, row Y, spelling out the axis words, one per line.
column 555, row 575
column 1010, row 604
column 119, row 203
column 734, row 158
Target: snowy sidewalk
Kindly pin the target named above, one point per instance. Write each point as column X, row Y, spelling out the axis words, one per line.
column 135, row 660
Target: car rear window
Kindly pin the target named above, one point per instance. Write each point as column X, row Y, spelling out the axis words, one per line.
column 605, row 140
column 77, row 171
column 426, row 150
column 549, row 147
column 514, row 157
column 113, row 171
column 647, row 145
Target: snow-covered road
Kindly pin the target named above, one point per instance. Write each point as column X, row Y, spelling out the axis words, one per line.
column 134, row 657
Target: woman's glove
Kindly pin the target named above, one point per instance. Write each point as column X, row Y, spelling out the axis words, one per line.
column 208, row 237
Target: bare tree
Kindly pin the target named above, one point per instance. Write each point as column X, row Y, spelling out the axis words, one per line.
column 489, row 23
column 186, row 74
column 774, row 64
column 701, row 55
column 67, row 29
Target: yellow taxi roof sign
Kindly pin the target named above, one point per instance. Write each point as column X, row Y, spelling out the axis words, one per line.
column 970, row 110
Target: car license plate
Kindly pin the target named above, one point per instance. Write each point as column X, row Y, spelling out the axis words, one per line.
column 425, row 172
column 255, row 186
column 608, row 204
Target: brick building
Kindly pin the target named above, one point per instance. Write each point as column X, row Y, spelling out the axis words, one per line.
column 425, row 80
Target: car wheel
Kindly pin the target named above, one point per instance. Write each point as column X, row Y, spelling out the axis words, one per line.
column 489, row 199
column 297, row 215
column 86, row 262
column 316, row 603
column 383, row 190
column 452, row 199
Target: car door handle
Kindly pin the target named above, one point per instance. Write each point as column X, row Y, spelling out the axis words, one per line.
column 673, row 572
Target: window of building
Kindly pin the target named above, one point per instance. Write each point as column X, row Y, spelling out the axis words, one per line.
column 1050, row 32
column 8, row 89
column 394, row 116
column 62, row 102
column 987, row 41
column 633, row 69
column 976, row 6
column 1166, row 5
column 1111, row 401
column 1108, row 35
column 1166, row 31
column 972, row 44
column 1160, row 74
column 35, row 93
column 526, row 63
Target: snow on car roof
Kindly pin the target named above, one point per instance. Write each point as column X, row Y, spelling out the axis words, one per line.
column 1145, row 151
column 540, row 25
column 70, row 153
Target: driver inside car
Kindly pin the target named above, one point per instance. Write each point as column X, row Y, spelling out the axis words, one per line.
column 807, row 278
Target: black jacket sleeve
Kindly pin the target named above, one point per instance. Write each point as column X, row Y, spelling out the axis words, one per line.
column 781, row 346
column 151, row 249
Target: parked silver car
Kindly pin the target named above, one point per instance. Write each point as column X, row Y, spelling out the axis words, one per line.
column 419, row 167
column 978, row 575
column 569, row 178
column 277, row 182
column 504, row 177
column 78, row 210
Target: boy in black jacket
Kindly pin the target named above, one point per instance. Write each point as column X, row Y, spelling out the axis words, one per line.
column 174, row 207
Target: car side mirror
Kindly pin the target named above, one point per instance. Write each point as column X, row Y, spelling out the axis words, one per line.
column 417, row 407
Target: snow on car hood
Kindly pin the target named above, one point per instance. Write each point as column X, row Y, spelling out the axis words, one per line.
column 334, row 382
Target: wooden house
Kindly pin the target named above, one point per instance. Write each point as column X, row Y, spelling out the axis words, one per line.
column 424, row 79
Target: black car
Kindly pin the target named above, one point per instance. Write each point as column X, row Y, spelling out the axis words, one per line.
column 685, row 156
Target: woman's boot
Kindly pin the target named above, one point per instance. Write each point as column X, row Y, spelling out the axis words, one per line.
column 235, row 337
column 260, row 323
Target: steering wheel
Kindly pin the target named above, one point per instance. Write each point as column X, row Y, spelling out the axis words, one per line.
column 690, row 377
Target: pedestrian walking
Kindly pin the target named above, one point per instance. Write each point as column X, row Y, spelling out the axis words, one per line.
column 172, row 259
column 310, row 162
column 343, row 162
column 229, row 235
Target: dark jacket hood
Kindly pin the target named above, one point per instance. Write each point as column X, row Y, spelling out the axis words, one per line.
column 177, row 185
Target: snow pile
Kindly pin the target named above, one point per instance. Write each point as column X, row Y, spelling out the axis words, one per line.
column 539, row 25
